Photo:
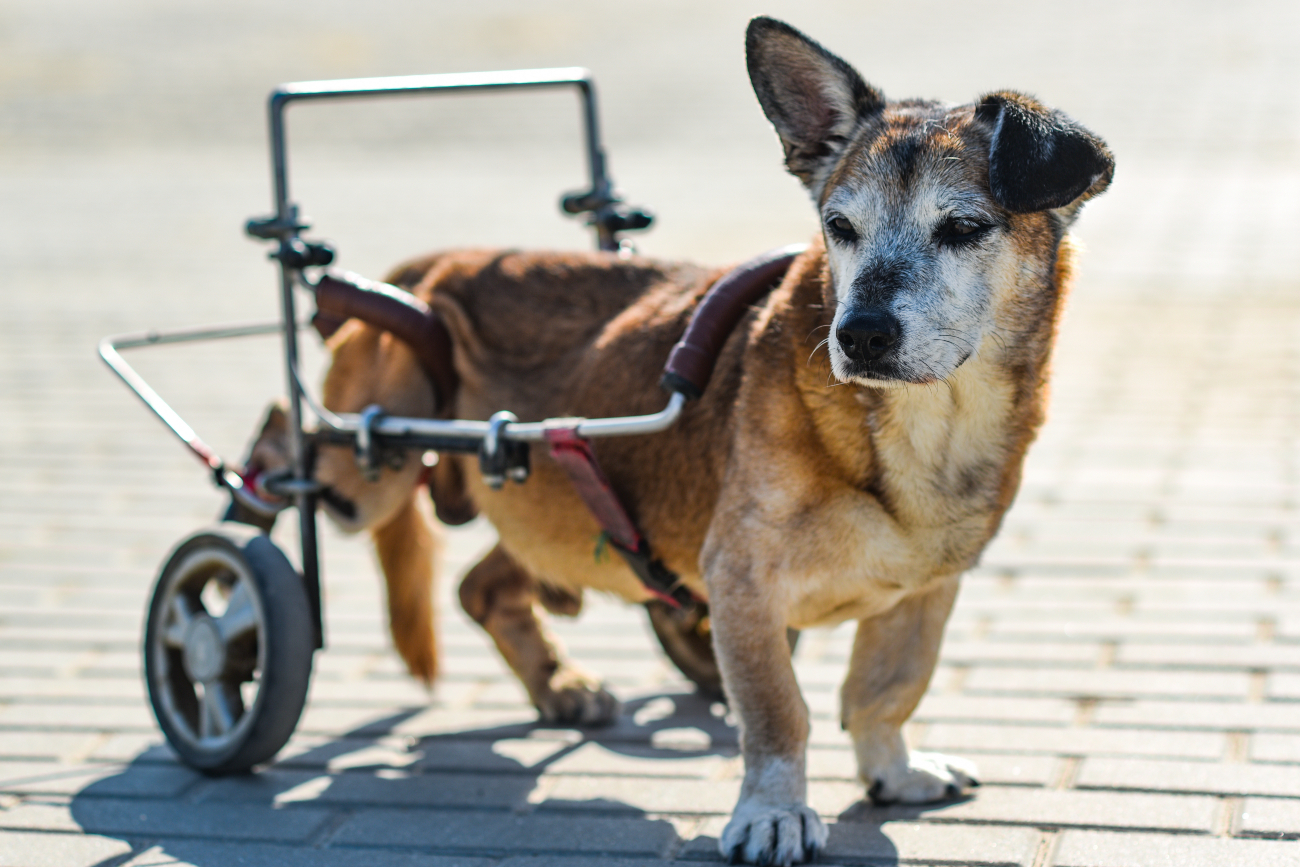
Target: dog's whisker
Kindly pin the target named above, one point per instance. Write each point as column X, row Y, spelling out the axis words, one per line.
column 815, row 328
column 825, row 342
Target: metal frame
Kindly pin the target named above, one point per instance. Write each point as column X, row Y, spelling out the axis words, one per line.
column 109, row 351
column 371, row 428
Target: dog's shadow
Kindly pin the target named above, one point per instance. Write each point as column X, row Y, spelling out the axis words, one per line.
column 475, row 793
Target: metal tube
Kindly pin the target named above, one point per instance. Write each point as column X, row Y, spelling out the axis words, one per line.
column 298, row 451
column 151, row 399
column 108, row 351
column 473, row 432
column 311, row 563
column 398, row 85
column 189, row 335
column 343, row 87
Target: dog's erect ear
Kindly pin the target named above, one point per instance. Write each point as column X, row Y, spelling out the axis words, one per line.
column 1040, row 158
column 813, row 98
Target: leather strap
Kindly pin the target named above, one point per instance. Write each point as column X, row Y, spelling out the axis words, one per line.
column 341, row 296
column 574, row 454
column 688, row 371
column 691, row 363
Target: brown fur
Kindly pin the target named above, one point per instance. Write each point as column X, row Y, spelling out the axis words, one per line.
column 806, row 487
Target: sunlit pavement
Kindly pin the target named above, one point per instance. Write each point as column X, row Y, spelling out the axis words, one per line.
column 1124, row 665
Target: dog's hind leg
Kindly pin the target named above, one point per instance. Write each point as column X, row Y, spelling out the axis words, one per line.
column 407, row 547
column 893, row 658
column 503, row 598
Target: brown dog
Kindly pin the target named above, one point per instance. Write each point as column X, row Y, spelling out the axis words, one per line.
column 854, row 479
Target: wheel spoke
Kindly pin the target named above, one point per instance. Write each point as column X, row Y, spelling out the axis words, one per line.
column 205, row 716
column 218, row 716
column 174, row 634
column 240, row 615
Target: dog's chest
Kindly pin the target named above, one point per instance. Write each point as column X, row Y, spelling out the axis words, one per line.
column 941, row 460
column 924, row 506
column 945, row 451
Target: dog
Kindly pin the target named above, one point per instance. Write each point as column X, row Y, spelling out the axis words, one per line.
column 857, row 448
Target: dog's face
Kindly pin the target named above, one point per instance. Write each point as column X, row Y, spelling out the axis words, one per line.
column 928, row 210
column 915, row 248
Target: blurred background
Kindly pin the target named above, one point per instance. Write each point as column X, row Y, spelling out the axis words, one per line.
column 133, row 147
column 132, row 141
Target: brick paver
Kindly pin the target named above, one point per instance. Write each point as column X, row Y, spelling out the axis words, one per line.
column 1124, row 665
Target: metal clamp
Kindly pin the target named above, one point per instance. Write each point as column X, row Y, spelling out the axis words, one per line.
column 366, row 453
column 500, row 458
column 297, row 254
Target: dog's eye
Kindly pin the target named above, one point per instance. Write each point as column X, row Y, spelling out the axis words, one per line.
column 841, row 228
column 960, row 230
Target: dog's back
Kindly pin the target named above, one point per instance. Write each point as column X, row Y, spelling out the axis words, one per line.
column 549, row 334
column 582, row 334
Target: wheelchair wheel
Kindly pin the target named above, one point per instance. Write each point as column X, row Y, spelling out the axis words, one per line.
column 228, row 649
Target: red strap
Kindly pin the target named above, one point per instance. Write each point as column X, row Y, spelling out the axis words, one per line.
column 574, row 454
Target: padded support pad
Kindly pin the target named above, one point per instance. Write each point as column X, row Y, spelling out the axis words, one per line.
column 691, row 363
column 341, row 295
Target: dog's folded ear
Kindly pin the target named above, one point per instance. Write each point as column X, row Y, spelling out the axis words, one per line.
column 813, row 98
column 1040, row 158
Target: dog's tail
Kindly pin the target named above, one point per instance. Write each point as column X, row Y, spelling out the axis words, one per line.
column 407, row 546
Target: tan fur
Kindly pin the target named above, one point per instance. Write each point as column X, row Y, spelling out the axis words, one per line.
column 805, row 487
column 782, row 498
column 407, row 547
column 800, row 460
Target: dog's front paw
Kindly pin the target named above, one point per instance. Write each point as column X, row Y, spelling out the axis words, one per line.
column 922, row 778
column 766, row 834
column 573, row 696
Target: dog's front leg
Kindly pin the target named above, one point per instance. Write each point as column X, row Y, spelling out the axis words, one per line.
column 772, row 823
column 893, row 658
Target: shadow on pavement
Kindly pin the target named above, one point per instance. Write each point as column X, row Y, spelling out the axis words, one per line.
column 474, row 793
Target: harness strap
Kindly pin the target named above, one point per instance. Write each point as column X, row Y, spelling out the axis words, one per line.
column 688, row 371
column 575, row 455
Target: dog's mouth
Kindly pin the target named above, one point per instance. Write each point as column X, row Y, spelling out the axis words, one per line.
column 891, row 374
column 883, row 370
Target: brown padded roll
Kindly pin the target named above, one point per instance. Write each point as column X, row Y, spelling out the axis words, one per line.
column 341, row 295
column 690, row 365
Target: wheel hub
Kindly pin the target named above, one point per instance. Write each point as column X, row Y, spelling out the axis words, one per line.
column 205, row 651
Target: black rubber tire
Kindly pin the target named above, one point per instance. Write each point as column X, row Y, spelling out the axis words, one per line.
column 282, row 648
column 688, row 643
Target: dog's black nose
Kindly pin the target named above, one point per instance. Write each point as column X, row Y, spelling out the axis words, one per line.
column 867, row 336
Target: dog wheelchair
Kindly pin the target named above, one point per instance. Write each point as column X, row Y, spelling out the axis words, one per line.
column 232, row 625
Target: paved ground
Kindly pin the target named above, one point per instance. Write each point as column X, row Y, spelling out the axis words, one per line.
column 1125, row 665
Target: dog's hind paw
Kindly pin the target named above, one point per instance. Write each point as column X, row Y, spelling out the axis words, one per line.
column 925, row 777
column 781, row 836
column 573, row 696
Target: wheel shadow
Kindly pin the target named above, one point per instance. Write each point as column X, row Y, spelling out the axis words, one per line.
column 472, row 793
column 491, row 792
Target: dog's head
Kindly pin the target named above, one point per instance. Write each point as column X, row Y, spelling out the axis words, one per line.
column 932, row 214
column 370, row 366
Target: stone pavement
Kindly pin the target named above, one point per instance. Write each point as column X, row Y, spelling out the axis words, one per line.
column 1124, row 665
